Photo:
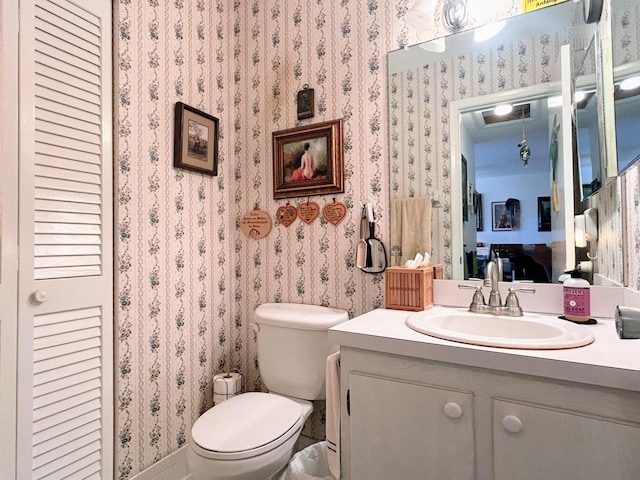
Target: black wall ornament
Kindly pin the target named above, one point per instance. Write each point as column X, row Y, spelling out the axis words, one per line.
column 525, row 151
column 305, row 102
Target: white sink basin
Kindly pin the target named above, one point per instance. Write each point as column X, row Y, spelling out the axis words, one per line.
column 530, row 331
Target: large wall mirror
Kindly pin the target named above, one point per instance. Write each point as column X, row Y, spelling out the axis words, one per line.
column 489, row 179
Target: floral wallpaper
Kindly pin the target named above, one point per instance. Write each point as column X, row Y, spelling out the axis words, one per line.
column 174, row 272
column 187, row 280
column 631, row 202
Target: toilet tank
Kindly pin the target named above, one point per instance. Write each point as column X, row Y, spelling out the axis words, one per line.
column 293, row 347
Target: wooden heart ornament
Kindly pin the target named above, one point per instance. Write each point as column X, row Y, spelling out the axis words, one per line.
column 334, row 212
column 308, row 212
column 286, row 215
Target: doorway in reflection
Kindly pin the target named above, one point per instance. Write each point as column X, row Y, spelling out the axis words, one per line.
column 510, row 190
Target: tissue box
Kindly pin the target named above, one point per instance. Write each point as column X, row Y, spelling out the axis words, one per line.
column 411, row 288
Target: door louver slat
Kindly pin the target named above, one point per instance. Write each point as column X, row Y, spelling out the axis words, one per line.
column 61, row 250
column 70, row 464
column 45, row 436
column 77, row 17
column 63, row 217
column 71, row 111
column 59, row 119
column 66, row 437
column 51, row 375
column 62, row 450
column 47, row 387
column 47, row 68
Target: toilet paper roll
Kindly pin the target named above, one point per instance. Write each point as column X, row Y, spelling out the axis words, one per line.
column 225, row 386
column 628, row 322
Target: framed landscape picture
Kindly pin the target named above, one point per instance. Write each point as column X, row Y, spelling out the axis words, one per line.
column 195, row 144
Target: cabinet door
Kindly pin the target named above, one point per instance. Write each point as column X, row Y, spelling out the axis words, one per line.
column 407, row 431
column 531, row 443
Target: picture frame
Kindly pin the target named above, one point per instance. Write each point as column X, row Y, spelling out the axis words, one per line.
column 477, row 209
column 465, row 195
column 305, row 103
column 308, row 160
column 195, row 143
column 501, row 220
column 544, row 214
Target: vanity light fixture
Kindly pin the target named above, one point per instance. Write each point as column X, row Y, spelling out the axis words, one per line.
column 487, row 31
column 420, row 15
column 455, row 14
column 504, row 109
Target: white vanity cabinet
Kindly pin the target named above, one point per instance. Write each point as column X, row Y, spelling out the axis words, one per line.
column 411, row 418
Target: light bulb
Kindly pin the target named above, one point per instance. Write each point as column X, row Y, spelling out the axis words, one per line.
column 487, row 31
column 630, row 83
column 503, row 109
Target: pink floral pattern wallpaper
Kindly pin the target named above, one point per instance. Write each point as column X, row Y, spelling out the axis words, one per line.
column 187, row 280
column 174, row 276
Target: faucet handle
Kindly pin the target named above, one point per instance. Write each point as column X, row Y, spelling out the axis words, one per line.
column 512, row 299
column 478, row 297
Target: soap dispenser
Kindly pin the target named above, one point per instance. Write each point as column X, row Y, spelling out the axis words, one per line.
column 577, row 301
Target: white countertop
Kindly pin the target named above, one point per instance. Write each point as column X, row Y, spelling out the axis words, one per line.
column 607, row 362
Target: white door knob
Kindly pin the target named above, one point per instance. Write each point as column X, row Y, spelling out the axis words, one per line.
column 41, row 296
column 452, row 410
column 512, row 424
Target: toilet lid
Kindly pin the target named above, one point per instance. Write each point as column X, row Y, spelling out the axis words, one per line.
column 245, row 422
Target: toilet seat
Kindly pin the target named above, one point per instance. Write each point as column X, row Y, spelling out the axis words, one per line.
column 246, row 426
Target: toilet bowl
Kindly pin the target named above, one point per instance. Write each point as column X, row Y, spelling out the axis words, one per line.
column 250, row 436
column 253, row 435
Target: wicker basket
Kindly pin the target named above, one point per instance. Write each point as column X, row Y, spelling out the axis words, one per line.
column 411, row 288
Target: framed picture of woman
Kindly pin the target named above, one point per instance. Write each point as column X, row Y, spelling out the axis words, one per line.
column 308, row 160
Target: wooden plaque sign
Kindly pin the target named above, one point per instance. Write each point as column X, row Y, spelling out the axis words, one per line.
column 286, row 215
column 255, row 224
column 334, row 212
column 308, row 212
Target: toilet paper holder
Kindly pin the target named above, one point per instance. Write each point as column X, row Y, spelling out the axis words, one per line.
column 227, row 385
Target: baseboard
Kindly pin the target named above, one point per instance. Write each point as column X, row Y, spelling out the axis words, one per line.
column 171, row 467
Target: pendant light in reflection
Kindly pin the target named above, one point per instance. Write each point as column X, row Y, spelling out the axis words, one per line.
column 525, row 151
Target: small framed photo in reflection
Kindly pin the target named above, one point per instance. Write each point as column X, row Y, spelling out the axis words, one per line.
column 501, row 220
column 544, row 214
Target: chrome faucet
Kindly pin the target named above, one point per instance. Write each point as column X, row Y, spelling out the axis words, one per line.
column 511, row 307
column 492, row 279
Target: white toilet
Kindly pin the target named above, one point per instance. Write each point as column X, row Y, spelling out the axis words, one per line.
column 252, row 436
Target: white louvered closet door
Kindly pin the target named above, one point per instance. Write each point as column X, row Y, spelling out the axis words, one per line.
column 65, row 306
